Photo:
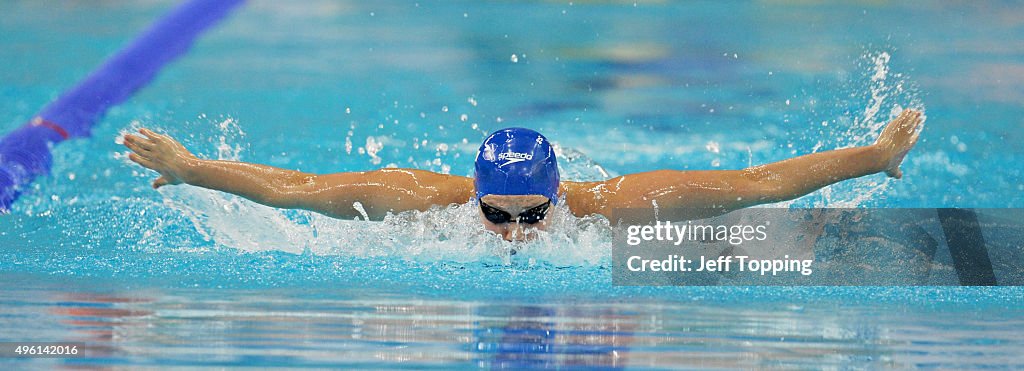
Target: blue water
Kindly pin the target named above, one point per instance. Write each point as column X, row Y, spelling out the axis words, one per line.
column 189, row 277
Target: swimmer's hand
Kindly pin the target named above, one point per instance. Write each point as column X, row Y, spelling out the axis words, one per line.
column 160, row 153
column 898, row 137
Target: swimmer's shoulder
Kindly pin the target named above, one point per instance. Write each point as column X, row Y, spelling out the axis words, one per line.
column 585, row 198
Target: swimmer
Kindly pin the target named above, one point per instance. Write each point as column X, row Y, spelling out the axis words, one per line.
column 516, row 181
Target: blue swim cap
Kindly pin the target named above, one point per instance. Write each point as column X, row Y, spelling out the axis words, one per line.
column 516, row 161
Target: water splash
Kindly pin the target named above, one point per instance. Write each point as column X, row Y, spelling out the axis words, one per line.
column 886, row 91
column 878, row 96
column 450, row 233
column 372, row 147
column 231, row 132
column 576, row 166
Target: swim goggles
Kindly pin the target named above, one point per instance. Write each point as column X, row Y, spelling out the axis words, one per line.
column 531, row 216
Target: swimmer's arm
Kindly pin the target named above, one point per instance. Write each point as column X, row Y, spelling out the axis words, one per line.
column 379, row 192
column 718, row 192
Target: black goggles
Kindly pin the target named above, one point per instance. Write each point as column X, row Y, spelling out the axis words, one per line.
column 531, row 216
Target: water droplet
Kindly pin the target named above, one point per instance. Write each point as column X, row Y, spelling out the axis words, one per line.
column 372, row 147
column 362, row 211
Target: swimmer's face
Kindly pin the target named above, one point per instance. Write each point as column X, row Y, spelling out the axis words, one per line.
column 515, row 229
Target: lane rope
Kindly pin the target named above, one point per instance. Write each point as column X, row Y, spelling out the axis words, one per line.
column 25, row 153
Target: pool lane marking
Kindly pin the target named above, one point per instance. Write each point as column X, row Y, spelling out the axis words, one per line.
column 967, row 247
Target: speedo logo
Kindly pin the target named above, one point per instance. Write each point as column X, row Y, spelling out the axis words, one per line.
column 513, row 157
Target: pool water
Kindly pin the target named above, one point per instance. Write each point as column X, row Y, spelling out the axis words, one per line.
column 189, row 277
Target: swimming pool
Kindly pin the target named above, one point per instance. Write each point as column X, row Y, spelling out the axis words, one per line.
column 189, row 277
